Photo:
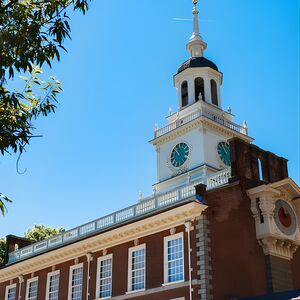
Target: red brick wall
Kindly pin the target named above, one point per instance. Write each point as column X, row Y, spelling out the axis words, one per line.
column 238, row 266
column 296, row 269
column 154, row 270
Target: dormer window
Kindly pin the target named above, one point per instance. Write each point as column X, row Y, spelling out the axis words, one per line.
column 199, row 89
column 184, row 94
column 214, row 92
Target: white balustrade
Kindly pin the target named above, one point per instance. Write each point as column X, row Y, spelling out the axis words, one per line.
column 85, row 229
column 40, row 246
column 168, row 198
column 204, row 112
column 105, row 222
column 70, row 235
column 145, row 206
column 125, row 214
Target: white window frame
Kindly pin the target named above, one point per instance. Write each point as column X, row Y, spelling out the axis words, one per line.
column 8, row 287
column 70, row 279
column 27, row 286
column 129, row 281
column 48, row 282
column 166, row 240
column 100, row 259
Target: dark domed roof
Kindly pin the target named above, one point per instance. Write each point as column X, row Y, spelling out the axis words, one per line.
column 197, row 62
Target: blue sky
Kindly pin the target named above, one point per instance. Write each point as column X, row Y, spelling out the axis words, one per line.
column 94, row 156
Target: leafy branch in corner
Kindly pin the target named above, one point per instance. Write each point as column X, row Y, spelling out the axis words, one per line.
column 3, row 199
column 32, row 34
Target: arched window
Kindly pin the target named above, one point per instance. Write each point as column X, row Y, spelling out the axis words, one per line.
column 214, row 92
column 184, row 94
column 199, row 89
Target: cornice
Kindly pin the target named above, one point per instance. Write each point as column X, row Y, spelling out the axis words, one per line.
column 144, row 227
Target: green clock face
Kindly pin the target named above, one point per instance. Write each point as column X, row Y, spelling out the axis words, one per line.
column 223, row 149
column 180, row 154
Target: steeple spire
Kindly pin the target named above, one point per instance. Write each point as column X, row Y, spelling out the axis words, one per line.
column 196, row 45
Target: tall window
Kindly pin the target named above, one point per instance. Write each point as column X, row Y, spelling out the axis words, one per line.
column 173, row 258
column 214, row 92
column 10, row 293
column 260, row 170
column 104, row 277
column 184, row 94
column 75, row 282
column 52, row 286
column 32, row 289
column 199, row 89
column 136, row 268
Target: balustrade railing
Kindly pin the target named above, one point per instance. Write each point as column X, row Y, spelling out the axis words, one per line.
column 203, row 112
column 156, row 202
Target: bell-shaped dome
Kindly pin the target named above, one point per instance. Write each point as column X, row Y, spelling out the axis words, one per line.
column 197, row 62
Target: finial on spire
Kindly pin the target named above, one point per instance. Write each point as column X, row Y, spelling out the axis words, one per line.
column 196, row 45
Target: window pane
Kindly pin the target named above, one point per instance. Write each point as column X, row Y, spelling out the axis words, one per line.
column 53, row 287
column 76, row 291
column 175, row 260
column 105, row 278
column 11, row 294
column 138, row 269
column 32, row 290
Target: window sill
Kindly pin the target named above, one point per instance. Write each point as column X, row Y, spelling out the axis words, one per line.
column 103, row 298
column 135, row 291
column 171, row 283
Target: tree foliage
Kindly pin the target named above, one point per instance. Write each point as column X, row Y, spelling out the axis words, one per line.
column 2, row 250
column 3, row 199
column 37, row 233
column 41, row 232
column 32, row 33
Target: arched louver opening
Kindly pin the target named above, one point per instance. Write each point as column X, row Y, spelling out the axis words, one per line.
column 184, row 94
column 199, row 89
column 214, row 92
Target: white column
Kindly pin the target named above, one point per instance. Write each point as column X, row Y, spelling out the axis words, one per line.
column 207, row 89
column 191, row 90
column 219, row 93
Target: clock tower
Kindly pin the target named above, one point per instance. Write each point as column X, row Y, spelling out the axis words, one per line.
column 194, row 143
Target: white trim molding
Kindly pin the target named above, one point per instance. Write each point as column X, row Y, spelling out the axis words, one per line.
column 72, row 268
column 131, row 270
column 29, row 281
column 49, row 275
column 98, row 280
column 166, row 260
column 9, row 287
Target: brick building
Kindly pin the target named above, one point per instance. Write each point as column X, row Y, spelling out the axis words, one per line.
column 223, row 221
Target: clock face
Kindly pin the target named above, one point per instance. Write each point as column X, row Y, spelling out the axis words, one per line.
column 285, row 217
column 223, row 149
column 180, row 154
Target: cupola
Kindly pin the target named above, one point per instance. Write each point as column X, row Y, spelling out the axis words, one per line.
column 197, row 79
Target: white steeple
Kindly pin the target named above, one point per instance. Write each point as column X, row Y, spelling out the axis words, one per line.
column 196, row 45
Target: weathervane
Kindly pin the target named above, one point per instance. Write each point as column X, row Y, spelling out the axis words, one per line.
column 195, row 2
